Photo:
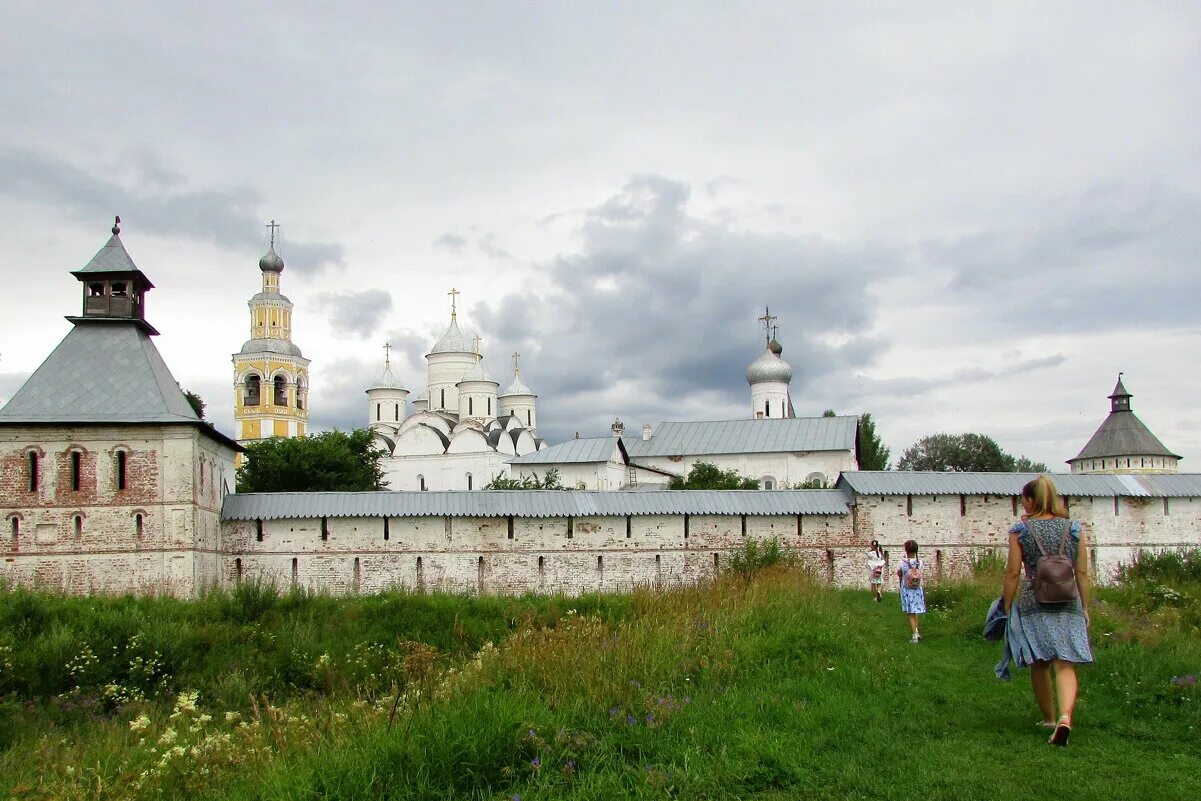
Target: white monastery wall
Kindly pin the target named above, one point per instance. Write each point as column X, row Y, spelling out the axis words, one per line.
column 590, row 476
column 785, row 469
column 444, row 471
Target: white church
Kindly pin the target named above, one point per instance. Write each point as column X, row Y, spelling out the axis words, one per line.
column 462, row 431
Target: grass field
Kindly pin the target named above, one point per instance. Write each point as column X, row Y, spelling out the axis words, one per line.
column 769, row 688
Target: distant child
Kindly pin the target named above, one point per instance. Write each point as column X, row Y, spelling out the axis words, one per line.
column 875, row 568
column 913, row 592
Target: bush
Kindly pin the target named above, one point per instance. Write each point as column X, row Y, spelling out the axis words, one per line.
column 1176, row 567
column 755, row 555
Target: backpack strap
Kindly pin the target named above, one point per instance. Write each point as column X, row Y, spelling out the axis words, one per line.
column 1030, row 528
column 1067, row 532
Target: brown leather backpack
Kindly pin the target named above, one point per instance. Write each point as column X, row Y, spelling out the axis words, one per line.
column 1054, row 574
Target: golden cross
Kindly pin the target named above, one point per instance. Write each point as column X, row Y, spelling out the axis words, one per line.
column 516, row 364
column 387, row 353
column 767, row 319
column 476, row 339
column 454, row 297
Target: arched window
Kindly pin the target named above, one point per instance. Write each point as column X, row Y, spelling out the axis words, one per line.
column 253, row 390
column 281, row 391
column 489, row 407
column 139, row 525
column 529, row 417
column 396, row 411
column 78, row 526
column 121, row 457
column 377, row 413
column 302, row 392
column 33, row 471
column 469, row 481
column 769, row 483
column 421, row 482
column 15, row 525
column 442, row 405
column 76, row 470
column 767, row 408
column 470, row 406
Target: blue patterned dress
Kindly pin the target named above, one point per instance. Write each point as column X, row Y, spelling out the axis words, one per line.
column 1052, row 631
column 913, row 599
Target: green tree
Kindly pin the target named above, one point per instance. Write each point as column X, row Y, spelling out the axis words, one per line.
column 829, row 413
column 964, row 453
column 335, row 461
column 873, row 455
column 196, row 401
column 549, row 481
column 709, row 477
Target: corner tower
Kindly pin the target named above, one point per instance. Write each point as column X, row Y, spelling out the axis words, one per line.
column 271, row 375
column 1123, row 443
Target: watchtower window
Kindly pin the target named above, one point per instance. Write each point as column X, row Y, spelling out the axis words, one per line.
column 96, row 290
column 16, row 529
column 421, row 483
column 281, row 391
column 118, row 289
column 76, row 465
column 253, row 390
column 258, row 530
column 78, row 526
column 121, row 470
column 33, row 471
column 324, row 529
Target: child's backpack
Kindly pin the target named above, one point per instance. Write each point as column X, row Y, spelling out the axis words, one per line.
column 1054, row 574
column 913, row 576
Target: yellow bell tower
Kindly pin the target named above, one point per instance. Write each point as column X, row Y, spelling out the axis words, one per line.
column 271, row 376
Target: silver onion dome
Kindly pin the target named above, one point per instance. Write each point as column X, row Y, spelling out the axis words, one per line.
column 769, row 368
column 478, row 373
column 271, row 262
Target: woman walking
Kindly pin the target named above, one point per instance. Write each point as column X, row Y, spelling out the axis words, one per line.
column 875, row 568
column 913, row 588
column 1054, row 630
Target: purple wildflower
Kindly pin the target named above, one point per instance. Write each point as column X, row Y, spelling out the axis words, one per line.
column 536, row 763
column 631, row 720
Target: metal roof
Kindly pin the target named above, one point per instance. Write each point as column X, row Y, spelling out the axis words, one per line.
column 747, row 436
column 531, row 503
column 453, row 340
column 1123, row 434
column 101, row 373
column 112, row 258
column 574, row 451
column 908, row 482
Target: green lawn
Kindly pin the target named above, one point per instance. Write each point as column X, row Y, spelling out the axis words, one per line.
column 778, row 688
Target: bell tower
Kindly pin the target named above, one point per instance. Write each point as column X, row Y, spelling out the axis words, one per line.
column 271, row 375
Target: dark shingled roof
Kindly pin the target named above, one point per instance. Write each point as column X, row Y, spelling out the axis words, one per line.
column 1122, row 433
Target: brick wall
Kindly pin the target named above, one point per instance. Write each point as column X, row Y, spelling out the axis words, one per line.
column 161, row 531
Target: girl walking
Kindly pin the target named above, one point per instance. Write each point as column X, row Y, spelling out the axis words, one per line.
column 1053, row 630
column 913, row 588
column 875, row 568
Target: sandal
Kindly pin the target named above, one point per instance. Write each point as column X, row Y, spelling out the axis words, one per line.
column 1047, row 724
column 1061, row 734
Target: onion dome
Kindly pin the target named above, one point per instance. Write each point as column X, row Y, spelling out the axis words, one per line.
column 775, row 347
column 478, row 373
column 271, row 262
column 387, row 379
column 516, row 387
column 769, row 368
column 453, row 340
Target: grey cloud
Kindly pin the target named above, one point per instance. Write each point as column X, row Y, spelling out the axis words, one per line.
column 1115, row 256
column 229, row 217
column 452, row 243
column 355, row 313
column 666, row 303
column 485, row 242
column 338, row 399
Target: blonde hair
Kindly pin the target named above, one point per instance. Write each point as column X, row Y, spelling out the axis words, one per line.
column 1044, row 497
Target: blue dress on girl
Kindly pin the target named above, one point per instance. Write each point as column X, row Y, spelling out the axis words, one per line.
column 1050, row 631
column 913, row 599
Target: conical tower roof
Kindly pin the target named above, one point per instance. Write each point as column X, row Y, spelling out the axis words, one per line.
column 1122, row 433
column 453, row 340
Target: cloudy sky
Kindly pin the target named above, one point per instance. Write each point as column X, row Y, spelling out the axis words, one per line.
column 967, row 217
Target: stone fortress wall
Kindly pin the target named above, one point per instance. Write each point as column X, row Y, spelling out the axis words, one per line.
column 181, row 551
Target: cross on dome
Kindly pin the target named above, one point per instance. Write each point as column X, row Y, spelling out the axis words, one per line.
column 454, row 306
column 767, row 319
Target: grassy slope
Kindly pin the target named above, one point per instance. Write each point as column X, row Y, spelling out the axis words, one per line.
column 793, row 693
column 779, row 689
